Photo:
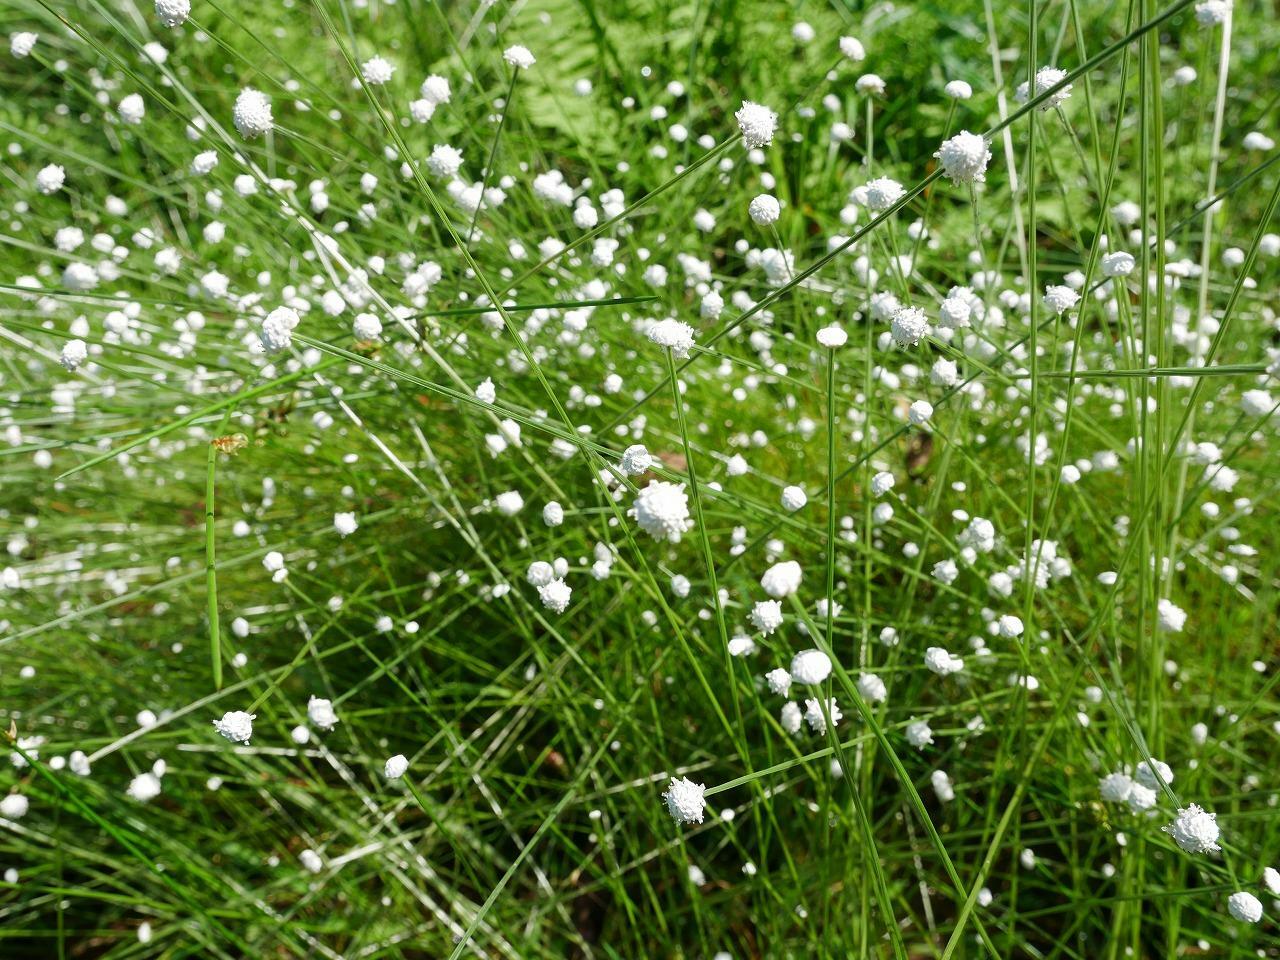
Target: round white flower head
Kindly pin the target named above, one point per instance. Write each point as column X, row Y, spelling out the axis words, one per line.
column 236, row 725
column 395, row 767
column 14, row 806
column 540, row 573
column 675, row 335
column 1046, row 79
column 958, row 90
column 871, row 83
column 1244, row 906
column 766, row 616
column 445, row 161
column 685, row 801
column 366, row 327
column 422, row 110
column 377, row 71
column 1151, row 773
column 964, row 157
column 851, row 48
column 509, row 503
column 1170, row 617
column 764, row 210
column 1195, row 830
column 1257, row 140
column 277, row 329
column 662, row 510
column 1060, row 298
column 1141, row 798
column 908, row 325
column 782, row 579
column 791, row 717
column 919, row 734
column 553, row 514
column 1256, row 403
column 1115, row 787
column 954, row 313
column 1009, row 626
column 345, row 524
column 21, row 44
column 794, row 498
column 872, row 689
column 74, row 353
column 519, row 57
column 636, row 460
column 173, row 13
column 50, row 179
column 882, row 483
column 252, row 113
column 920, row 412
column 757, row 122
column 832, row 337
column 1118, row 264
column 555, row 595
column 132, row 109
column 145, row 786
column 810, row 667
column 321, row 713
column 436, row 89
column 817, row 720
column 940, row 661
column 1271, row 880
column 883, row 193
column 1212, row 13
column 779, row 682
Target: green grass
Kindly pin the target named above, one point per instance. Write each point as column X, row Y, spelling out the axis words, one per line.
column 531, row 822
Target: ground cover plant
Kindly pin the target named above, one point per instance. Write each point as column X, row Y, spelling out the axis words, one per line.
column 727, row 479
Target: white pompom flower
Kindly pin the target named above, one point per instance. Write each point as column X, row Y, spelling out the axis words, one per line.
column 321, row 714
column 764, row 210
column 852, row 49
column 252, row 113
column 519, row 57
column 685, row 800
column 377, row 71
column 49, row 180
column 173, row 13
column 662, row 511
column 810, row 667
column 766, row 616
column 782, row 579
column 636, row 460
column 794, row 498
column 132, row 109
column 74, row 353
column 883, row 193
column 1245, row 907
column 555, row 595
column 277, row 329
column 1060, row 298
column 674, row 335
column 757, row 122
column 908, row 325
column 395, row 767
column 236, row 725
column 1046, row 79
column 1195, row 830
column 964, row 157
column 832, row 337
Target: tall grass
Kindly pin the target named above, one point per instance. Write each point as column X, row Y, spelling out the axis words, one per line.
column 1118, row 448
